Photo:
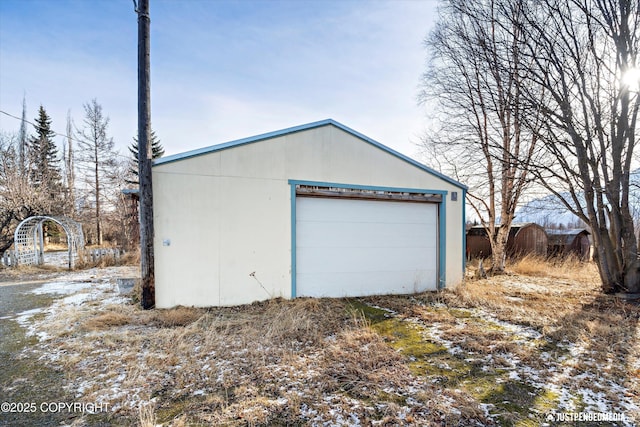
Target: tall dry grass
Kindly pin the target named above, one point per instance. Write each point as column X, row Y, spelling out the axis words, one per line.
column 563, row 299
column 146, row 415
column 273, row 362
column 283, row 362
column 569, row 268
column 127, row 258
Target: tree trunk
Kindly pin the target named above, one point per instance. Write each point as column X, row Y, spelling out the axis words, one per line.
column 499, row 250
column 97, row 183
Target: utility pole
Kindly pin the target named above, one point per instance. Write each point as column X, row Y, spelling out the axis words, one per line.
column 148, row 299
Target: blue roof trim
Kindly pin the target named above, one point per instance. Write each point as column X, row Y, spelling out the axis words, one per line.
column 399, row 155
column 238, row 142
column 300, row 128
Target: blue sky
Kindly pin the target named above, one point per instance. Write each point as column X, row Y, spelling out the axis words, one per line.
column 220, row 70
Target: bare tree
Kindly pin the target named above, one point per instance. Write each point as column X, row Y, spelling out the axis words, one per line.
column 474, row 83
column 18, row 200
column 96, row 159
column 22, row 137
column 69, row 168
column 118, row 227
column 582, row 52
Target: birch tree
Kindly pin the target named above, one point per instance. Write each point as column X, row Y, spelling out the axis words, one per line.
column 584, row 57
column 473, row 87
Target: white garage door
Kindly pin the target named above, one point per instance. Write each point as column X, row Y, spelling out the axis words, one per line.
column 347, row 247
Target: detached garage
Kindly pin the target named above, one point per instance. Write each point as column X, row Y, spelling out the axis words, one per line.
column 315, row 210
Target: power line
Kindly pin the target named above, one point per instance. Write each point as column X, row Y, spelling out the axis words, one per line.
column 35, row 125
column 56, row 133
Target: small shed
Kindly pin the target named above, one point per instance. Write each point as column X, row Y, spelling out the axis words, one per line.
column 316, row 210
column 527, row 239
column 478, row 244
column 570, row 241
column 524, row 239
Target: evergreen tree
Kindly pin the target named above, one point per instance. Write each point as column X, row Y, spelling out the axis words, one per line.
column 157, row 151
column 44, row 168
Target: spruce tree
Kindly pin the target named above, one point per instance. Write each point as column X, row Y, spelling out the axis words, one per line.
column 44, row 167
column 157, row 151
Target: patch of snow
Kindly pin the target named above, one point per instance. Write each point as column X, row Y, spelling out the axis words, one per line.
column 61, row 288
column 513, row 375
column 25, row 316
column 486, row 408
column 77, row 299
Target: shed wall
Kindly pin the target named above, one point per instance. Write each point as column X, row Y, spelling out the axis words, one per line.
column 527, row 239
column 225, row 216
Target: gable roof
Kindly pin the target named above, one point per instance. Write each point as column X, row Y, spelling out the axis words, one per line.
column 300, row 128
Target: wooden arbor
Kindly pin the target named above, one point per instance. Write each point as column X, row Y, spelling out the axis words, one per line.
column 29, row 239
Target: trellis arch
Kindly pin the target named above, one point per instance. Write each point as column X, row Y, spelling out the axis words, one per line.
column 29, row 239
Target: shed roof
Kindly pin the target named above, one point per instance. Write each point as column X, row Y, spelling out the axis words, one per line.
column 565, row 237
column 300, row 128
column 567, row 232
column 479, row 230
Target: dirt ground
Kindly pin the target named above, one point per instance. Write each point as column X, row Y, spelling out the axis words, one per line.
column 538, row 346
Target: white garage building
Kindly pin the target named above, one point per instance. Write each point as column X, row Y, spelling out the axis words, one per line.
column 314, row 210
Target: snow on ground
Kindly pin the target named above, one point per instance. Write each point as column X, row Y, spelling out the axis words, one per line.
column 563, row 376
column 96, row 286
column 86, row 285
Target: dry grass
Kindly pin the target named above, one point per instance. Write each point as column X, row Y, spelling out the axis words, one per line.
column 128, row 258
column 306, row 361
column 146, row 415
column 175, row 317
column 106, row 320
column 565, row 306
column 274, row 362
column 360, row 362
column 55, row 247
column 28, row 273
column 568, row 268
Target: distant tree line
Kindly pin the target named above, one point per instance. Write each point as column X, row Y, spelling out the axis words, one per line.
column 82, row 178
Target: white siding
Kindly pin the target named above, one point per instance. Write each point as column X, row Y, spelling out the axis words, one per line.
column 228, row 213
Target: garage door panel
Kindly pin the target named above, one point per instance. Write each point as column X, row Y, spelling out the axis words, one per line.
column 345, row 210
column 363, row 247
column 384, row 282
column 360, row 235
column 372, row 260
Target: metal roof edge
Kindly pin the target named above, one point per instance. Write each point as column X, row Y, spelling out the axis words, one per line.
column 299, row 128
column 399, row 155
column 238, row 142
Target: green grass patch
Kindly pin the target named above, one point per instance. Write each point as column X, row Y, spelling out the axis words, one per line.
column 511, row 402
column 372, row 314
